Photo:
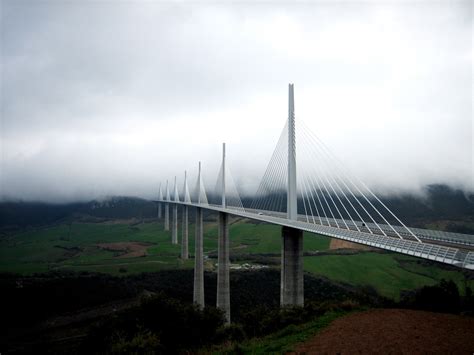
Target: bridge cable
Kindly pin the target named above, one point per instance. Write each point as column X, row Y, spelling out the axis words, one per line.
column 337, row 195
column 262, row 189
column 331, row 155
column 309, row 201
column 264, row 197
column 314, row 202
column 358, row 201
column 330, row 197
column 370, row 203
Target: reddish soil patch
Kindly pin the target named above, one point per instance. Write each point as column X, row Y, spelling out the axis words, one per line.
column 342, row 244
column 129, row 249
column 389, row 331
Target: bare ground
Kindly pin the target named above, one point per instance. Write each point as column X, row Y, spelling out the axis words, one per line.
column 342, row 244
column 129, row 249
column 394, row 331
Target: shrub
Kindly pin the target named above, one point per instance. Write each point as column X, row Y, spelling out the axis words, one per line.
column 159, row 324
column 443, row 297
column 142, row 342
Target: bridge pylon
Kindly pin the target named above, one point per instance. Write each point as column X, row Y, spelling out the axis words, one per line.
column 291, row 289
column 160, row 198
column 184, row 239
column 174, row 225
column 223, row 263
column 198, row 291
column 167, row 208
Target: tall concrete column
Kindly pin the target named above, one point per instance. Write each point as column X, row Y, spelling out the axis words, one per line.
column 184, row 240
column 160, row 198
column 167, row 208
column 174, row 225
column 292, row 290
column 167, row 216
column 223, row 264
column 198, row 293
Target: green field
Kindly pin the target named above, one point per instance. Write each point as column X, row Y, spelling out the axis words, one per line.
column 74, row 247
column 388, row 273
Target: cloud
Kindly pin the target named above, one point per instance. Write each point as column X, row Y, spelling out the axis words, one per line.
column 112, row 99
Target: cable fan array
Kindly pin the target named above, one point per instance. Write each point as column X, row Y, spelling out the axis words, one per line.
column 328, row 194
column 232, row 196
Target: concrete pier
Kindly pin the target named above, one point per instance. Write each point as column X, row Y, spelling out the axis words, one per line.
column 184, row 240
column 198, row 293
column 174, row 225
column 167, row 216
column 292, row 290
column 223, row 264
column 160, row 198
column 167, row 208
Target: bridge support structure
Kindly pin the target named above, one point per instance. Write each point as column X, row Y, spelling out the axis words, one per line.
column 223, row 266
column 184, row 239
column 198, row 291
column 223, row 263
column 167, row 217
column 160, row 197
column 291, row 288
column 174, row 225
column 185, row 232
column 167, row 208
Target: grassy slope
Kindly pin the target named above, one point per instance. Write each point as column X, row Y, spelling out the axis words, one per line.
column 381, row 271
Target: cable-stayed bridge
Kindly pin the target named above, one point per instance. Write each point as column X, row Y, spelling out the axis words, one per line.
column 304, row 189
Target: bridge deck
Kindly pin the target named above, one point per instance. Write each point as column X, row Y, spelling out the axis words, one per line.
column 426, row 250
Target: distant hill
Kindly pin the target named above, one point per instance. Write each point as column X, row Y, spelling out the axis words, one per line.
column 24, row 214
column 440, row 202
column 441, row 208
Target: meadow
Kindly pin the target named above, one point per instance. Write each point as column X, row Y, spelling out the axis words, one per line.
column 75, row 247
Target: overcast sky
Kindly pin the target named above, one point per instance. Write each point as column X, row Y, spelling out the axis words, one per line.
column 109, row 98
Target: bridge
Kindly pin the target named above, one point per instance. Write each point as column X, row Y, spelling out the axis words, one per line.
column 311, row 192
